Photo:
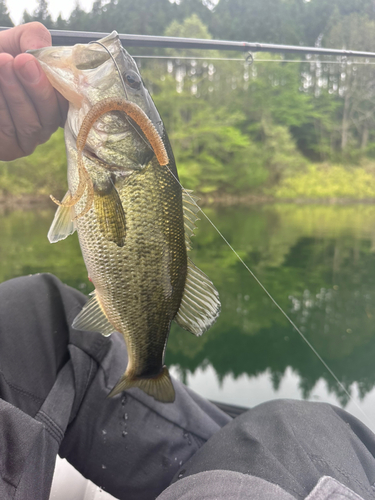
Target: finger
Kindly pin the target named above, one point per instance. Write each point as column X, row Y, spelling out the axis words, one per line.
column 24, row 116
column 9, row 148
column 24, row 37
column 41, row 93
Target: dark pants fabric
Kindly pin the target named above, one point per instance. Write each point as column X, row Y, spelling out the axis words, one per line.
column 292, row 444
column 130, row 445
column 55, row 380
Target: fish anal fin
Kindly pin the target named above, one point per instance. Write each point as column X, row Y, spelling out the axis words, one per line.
column 159, row 387
column 110, row 214
column 200, row 304
column 92, row 318
column 63, row 224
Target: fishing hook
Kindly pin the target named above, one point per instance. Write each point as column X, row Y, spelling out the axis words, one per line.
column 124, row 87
column 115, row 63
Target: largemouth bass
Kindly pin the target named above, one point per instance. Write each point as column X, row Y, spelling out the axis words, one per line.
column 134, row 221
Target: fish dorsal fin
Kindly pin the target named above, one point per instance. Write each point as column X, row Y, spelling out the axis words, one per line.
column 200, row 304
column 190, row 215
column 63, row 224
column 92, row 318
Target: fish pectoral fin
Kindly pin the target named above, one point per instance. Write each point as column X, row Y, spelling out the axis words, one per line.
column 92, row 318
column 191, row 209
column 63, row 224
column 159, row 387
column 200, row 304
column 110, row 214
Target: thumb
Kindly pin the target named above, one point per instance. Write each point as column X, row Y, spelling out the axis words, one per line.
column 24, row 37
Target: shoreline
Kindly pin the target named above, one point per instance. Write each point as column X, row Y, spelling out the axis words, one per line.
column 29, row 202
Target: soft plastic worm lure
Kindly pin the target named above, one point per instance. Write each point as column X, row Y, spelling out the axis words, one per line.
column 99, row 109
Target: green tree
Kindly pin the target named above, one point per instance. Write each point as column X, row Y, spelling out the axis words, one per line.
column 79, row 19
column 40, row 14
column 5, row 19
column 267, row 21
column 354, row 83
column 60, row 23
column 146, row 17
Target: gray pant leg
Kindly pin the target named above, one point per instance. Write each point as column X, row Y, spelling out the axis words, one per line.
column 132, row 445
column 292, row 444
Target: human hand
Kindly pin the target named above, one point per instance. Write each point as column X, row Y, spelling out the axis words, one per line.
column 30, row 109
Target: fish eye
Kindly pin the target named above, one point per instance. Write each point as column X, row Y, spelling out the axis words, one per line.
column 133, row 80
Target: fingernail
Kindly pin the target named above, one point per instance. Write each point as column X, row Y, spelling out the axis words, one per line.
column 6, row 72
column 30, row 72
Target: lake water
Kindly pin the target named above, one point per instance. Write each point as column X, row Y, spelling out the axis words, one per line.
column 318, row 262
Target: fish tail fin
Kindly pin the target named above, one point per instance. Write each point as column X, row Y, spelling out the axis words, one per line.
column 159, row 387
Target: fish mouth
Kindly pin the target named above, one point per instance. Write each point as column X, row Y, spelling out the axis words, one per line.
column 56, row 62
column 69, row 69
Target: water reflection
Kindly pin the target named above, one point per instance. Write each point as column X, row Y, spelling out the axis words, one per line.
column 317, row 261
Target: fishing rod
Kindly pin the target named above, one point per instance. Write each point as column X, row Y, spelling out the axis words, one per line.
column 65, row 37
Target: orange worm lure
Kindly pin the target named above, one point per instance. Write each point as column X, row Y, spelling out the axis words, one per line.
column 99, row 109
column 135, row 113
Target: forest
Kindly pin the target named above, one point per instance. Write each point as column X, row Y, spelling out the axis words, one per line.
column 284, row 127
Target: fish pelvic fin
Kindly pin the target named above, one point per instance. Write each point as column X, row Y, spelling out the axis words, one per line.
column 63, row 223
column 159, row 387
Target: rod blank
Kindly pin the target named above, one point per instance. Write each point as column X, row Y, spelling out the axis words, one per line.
column 63, row 37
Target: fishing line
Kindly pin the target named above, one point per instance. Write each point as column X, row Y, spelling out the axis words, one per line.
column 334, row 376
column 237, row 59
column 351, row 398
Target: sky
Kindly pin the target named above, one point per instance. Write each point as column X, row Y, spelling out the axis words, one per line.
column 17, row 7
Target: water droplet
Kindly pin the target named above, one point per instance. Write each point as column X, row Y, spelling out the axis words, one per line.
column 124, row 433
column 123, row 400
column 104, row 432
column 180, row 463
column 125, row 416
column 181, row 474
column 186, row 435
column 104, row 466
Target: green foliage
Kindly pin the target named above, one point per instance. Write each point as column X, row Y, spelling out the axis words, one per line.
column 328, row 181
column 41, row 173
column 237, row 129
column 212, row 154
